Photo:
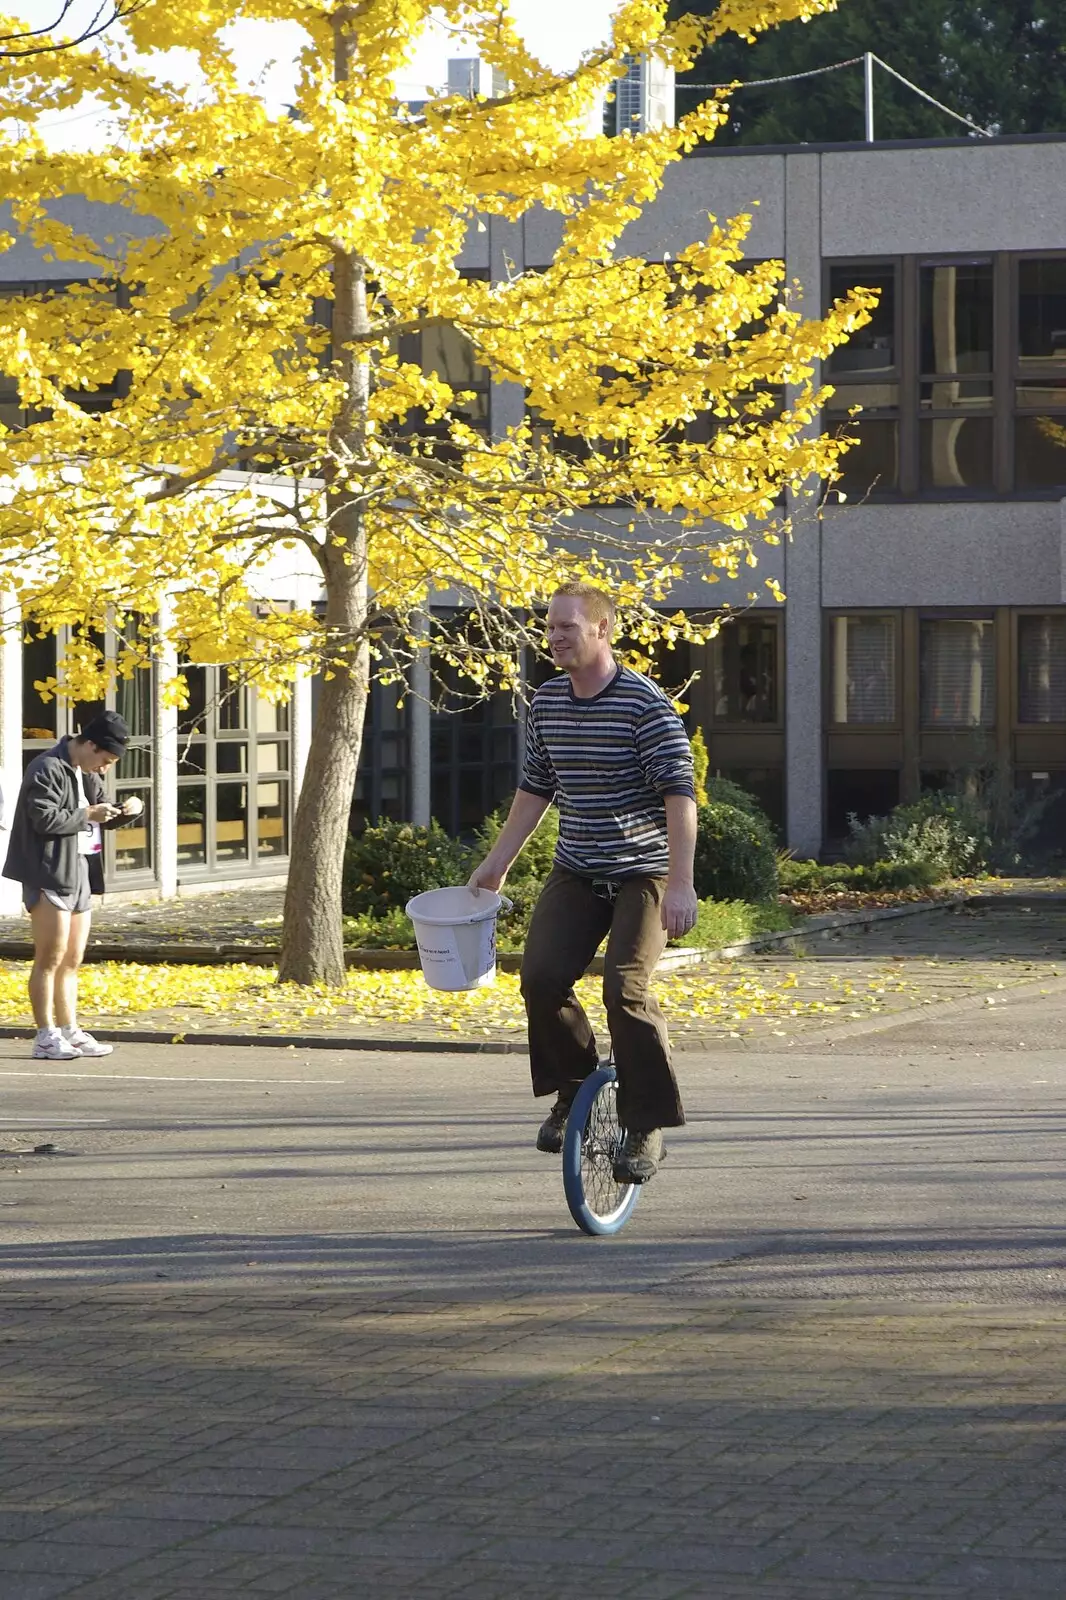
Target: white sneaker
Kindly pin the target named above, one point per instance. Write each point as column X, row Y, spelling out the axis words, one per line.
column 50, row 1045
column 83, row 1044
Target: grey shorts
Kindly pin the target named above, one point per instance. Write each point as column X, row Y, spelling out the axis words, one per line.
column 80, row 900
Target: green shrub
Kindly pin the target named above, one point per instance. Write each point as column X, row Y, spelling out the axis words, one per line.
column 815, row 877
column 723, row 791
column 527, row 875
column 947, row 833
column 700, row 762
column 534, row 861
column 979, row 824
column 392, row 931
column 735, row 854
column 724, row 922
column 391, row 861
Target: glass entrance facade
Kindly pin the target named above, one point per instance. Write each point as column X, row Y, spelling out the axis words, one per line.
column 233, row 777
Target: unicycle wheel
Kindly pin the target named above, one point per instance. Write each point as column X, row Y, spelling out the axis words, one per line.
column 598, row 1203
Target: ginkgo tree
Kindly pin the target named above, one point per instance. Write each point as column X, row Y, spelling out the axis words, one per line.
column 235, row 374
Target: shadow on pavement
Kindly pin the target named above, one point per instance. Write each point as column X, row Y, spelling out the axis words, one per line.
column 1021, row 1266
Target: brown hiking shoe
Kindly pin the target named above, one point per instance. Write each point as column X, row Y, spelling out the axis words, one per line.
column 638, row 1160
column 550, row 1133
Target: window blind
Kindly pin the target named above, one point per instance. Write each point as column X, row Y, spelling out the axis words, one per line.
column 1042, row 669
column 864, row 670
column 958, row 673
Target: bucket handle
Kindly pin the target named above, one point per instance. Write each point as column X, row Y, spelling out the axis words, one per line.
column 505, row 904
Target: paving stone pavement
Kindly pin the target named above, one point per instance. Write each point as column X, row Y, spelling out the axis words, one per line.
column 183, row 1446
column 229, row 916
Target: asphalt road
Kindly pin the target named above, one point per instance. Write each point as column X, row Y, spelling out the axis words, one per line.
column 922, row 1160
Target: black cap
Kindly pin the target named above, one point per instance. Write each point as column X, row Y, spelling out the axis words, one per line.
column 108, row 731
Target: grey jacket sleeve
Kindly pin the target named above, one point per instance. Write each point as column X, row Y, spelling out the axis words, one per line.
column 47, row 806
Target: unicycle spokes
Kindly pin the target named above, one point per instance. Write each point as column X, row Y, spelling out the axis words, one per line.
column 600, row 1145
column 598, row 1203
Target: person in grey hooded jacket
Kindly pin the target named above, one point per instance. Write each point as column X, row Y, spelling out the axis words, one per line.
column 55, row 852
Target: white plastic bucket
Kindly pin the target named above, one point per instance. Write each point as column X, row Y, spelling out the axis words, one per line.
column 456, row 933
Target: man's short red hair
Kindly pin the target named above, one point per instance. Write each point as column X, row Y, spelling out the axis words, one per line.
column 596, row 603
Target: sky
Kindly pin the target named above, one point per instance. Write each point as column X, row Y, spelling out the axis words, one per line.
column 556, row 30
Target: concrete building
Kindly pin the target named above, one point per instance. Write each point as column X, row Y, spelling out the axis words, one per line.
column 925, row 624
column 643, row 98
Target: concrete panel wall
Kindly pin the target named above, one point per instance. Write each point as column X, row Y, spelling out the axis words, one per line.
column 1008, row 554
column 976, row 197
column 692, row 191
column 474, row 255
column 94, row 220
column 692, row 590
column 542, row 232
column 697, row 189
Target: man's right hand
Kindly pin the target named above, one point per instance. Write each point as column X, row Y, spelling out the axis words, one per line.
column 103, row 812
column 487, row 876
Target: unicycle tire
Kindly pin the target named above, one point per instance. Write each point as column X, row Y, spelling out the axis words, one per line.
column 598, row 1203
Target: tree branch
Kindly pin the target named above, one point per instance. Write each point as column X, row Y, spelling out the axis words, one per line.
column 15, row 46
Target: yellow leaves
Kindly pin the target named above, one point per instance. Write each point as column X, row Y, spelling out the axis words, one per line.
column 211, row 343
column 720, row 999
column 751, row 17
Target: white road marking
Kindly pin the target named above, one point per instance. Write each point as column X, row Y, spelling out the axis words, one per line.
column 144, row 1077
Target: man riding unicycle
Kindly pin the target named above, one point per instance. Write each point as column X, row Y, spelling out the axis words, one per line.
column 606, row 745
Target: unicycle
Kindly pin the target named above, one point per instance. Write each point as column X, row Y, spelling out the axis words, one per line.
column 598, row 1203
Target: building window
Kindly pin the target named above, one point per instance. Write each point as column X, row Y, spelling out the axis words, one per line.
column 473, row 747
column 473, row 735
column 1040, row 374
column 381, row 783
column 745, row 665
column 134, row 699
column 1042, row 310
column 1042, row 669
column 863, row 671
column 936, row 416
column 672, row 667
column 955, row 398
column 474, row 754
column 451, row 355
column 865, row 372
column 957, row 673
column 233, row 775
column 40, row 717
column 130, row 849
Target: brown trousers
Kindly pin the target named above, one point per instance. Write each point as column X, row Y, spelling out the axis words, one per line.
column 569, row 921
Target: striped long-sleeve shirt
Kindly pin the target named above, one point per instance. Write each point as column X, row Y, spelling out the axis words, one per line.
column 608, row 762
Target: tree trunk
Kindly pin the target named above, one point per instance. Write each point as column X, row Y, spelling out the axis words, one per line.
column 312, row 945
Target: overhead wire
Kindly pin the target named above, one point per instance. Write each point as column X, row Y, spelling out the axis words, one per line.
column 837, row 66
